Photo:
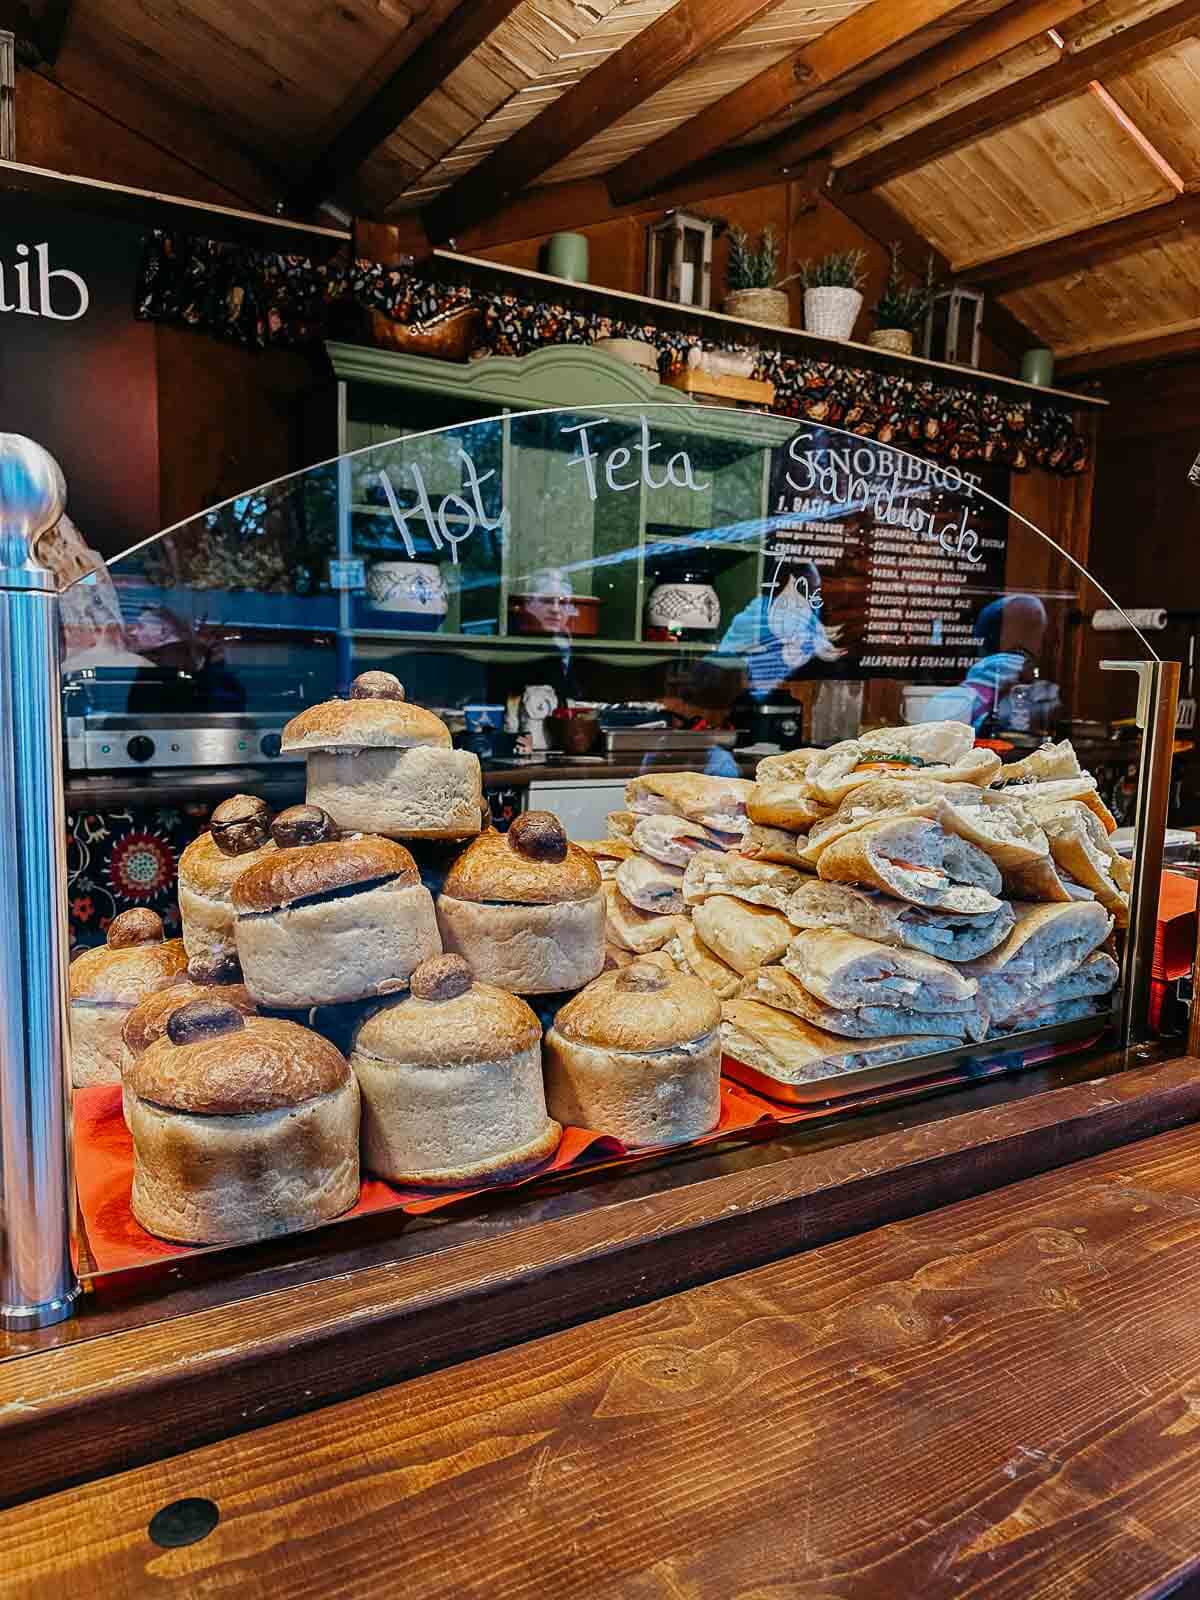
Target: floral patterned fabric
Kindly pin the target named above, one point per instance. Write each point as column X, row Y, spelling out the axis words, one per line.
column 258, row 299
column 119, row 859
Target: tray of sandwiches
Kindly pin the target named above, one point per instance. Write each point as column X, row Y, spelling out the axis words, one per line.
column 878, row 910
column 380, row 1000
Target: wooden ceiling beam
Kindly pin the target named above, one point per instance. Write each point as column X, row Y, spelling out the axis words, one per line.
column 880, row 219
column 1069, row 75
column 848, row 46
column 974, row 47
column 1089, row 247
column 642, row 66
column 1150, row 350
column 466, row 28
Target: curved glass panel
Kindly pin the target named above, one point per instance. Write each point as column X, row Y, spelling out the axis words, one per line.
column 592, row 597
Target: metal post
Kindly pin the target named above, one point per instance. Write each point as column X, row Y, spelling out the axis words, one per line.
column 1158, row 697
column 38, row 1284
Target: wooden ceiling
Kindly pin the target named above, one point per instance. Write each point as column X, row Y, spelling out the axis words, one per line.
column 1048, row 148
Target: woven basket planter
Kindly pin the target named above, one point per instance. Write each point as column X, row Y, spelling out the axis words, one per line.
column 831, row 312
column 758, row 305
column 898, row 340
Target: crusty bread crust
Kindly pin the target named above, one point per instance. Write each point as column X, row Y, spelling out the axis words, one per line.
column 317, row 869
column 528, row 949
column 363, row 724
column 657, row 1098
column 691, row 955
column 449, row 1124
column 265, row 1065
column 96, row 1048
column 617, row 1017
column 744, row 936
column 209, row 874
column 422, row 793
column 491, row 868
column 782, row 804
column 329, row 951
column 226, row 1180
column 124, row 976
column 631, row 929
column 482, row 1024
column 148, row 1019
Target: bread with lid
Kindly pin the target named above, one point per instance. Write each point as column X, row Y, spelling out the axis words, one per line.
column 637, row 1055
column 327, row 918
column 382, row 765
column 148, row 1020
column 525, row 908
column 242, row 1127
column 106, row 983
column 238, row 836
column 451, row 1081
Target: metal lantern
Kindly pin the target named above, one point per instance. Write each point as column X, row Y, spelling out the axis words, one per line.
column 952, row 326
column 679, row 259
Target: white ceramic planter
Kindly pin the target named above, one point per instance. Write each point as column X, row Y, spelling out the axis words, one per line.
column 831, row 312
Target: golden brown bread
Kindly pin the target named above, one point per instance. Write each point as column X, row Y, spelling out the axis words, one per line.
column 482, row 1024
column 205, row 869
column 640, row 1007
column 265, row 1065
column 124, row 975
column 285, row 876
column 494, row 868
column 148, row 1019
column 376, row 714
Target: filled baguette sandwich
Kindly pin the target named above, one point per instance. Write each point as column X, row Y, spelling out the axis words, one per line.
column 650, row 885
column 763, row 843
column 784, row 804
column 691, row 955
column 717, row 803
column 632, row 929
column 761, row 883
column 1008, row 995
column 884, row 800
column 776, row 986
column 950, row 935
column 790, row 1050
column 672, row 840
column 845, row 971
column 741, row 935
column 943, row 750
column 1046, row 942
column 915, row 860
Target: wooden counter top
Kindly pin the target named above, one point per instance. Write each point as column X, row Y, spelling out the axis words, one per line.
column 998, row 1398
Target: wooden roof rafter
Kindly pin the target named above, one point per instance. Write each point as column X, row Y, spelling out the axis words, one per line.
column 620, row 83
column 1071, row 73
column 824, row 61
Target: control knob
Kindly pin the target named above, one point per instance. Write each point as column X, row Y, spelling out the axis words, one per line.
column 270, row 744
column 139, row 748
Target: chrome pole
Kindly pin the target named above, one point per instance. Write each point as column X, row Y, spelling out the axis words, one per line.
column 1158, row 699
column 38, row 1283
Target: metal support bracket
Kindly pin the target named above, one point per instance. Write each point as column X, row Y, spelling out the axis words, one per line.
column 1158, row 698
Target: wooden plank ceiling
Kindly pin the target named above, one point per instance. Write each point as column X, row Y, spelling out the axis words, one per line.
column 1050, row 147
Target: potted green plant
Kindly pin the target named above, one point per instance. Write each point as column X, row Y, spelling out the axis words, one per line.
column 833, row 292
column 900, row 309
column 752, row 291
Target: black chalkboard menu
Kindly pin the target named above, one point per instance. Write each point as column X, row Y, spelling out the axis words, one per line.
column 877, row 563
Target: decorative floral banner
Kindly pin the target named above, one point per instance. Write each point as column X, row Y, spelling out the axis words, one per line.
column 257, row 298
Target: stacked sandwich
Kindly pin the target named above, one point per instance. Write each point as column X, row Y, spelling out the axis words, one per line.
column 953, row 900
column 890, row 897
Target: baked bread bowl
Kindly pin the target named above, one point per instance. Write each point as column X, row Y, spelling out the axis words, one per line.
column 106, row 983
column 525, row 908
column 637, row 1054
column 242, row 1127
column 324, row 919
column 147, row 1022
column 451, row 1082
column 239, row 834
column 381, row 765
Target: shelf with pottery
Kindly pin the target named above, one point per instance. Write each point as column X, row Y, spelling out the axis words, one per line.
column 380, row 644
column 603, row 555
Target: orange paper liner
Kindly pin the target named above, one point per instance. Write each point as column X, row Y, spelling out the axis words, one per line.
column 117, row 1242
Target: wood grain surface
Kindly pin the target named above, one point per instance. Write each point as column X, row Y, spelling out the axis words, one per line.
column 1000, row 1399
column 327, row 1327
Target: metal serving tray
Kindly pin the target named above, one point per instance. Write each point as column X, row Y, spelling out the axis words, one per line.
column 674, row 741
column 981, row 1060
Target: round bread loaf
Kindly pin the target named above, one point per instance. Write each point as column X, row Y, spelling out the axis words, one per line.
column 451, row 1082
column 106, row 983
column 383, row 766
column 325, row 923
column 637, row 1054
column 525, row 908
column 147, row 1022
column 242, row 1128
column 207, row 874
